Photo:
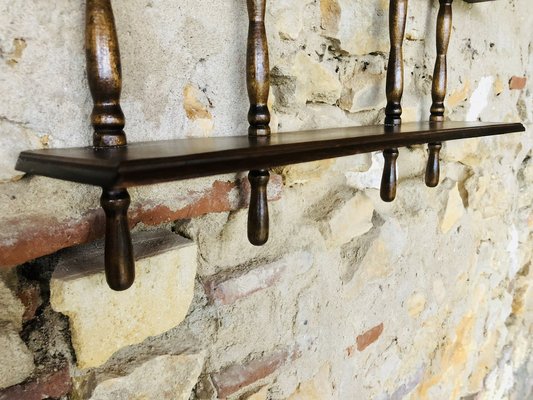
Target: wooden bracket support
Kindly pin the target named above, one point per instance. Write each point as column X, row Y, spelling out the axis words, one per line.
column 258, row 83
column 105, row 82
column 438, row 92
column 394, row 89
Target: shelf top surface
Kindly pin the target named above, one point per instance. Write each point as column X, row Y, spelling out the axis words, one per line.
column 159, row 161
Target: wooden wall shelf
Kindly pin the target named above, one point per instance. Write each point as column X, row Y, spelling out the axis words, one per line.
column 162, row 161
column 115, row 166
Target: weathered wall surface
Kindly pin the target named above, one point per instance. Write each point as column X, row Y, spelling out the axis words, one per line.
column 428, row 297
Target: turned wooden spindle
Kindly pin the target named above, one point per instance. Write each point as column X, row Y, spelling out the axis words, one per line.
column 395, row 78
column 258, row 83
column 107, row 118
column 104, row 74
column 438, row 92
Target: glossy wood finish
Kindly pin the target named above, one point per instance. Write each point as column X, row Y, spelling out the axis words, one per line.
column 438, row 93
column 257, row 70
column 119, row 261
column 258, row 213
column 394, row 90
column 105, row 82
column 164, row 161
column 395, row 69
column 104, row 74
column 258, row 83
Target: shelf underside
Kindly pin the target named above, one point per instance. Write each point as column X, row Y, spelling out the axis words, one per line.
column 162, row 161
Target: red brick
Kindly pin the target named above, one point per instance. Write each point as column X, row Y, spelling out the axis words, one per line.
column 517, row 82
column 229, row 291
column 39, row 235
column 239, row 376
column 52, row 385
column 223, row 289
column 369, row 337
column 30, row 296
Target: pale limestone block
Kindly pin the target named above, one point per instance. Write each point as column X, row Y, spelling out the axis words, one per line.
column 364, row 93
column 11, row 309
column 318, row 388
column 196, row 106
column 298, row 174
column 168, row 377
column 261, row 394
column 372, row 25
column 16, row 361
column 289, row 20
column 464, row 151
column 330, row 13
column 353, row 219
column 316, row 83
column 480, row 98
column 454, row 210
column 103, row 321
column 416, row 303
column 369, row 178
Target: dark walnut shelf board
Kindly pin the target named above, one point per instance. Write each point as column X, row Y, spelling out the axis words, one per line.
column 162, row 161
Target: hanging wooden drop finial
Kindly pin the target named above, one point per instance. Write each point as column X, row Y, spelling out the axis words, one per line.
column 258, row 83
column 105, row 82
column 438, row 92
column 395, row 79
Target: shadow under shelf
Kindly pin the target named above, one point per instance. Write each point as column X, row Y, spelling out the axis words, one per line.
column 162, row 161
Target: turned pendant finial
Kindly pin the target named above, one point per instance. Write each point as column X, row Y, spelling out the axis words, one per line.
column 258, row 212
column 438, row 92
column 395, row 81
column 119, row 261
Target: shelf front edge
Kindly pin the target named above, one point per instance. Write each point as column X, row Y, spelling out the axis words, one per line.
column 139, row 171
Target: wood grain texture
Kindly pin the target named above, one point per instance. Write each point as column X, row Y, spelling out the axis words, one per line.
column 438, row 92
column 105, row 82
column 258, row 219
column 394, row 92
column 257, row 69
column 119, row 260
column 395, row 69
column 258, row 84
column 168, row 160
column 388, row 180
column 104, row 74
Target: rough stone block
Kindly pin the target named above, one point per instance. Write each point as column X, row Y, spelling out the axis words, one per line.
column 103, row 321
column 318, row 84
column 16, row 361
column 227, row 290
column 337, row 22
column 352, row 219
column 318, row 388
column 168, row 377
column 12, row 309
column 454, row 210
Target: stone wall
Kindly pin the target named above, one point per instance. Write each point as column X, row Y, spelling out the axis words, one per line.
column 428, row 297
